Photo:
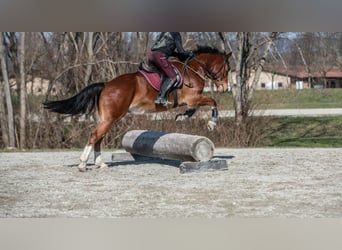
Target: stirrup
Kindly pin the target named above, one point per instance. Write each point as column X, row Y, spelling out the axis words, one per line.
column 163, row 101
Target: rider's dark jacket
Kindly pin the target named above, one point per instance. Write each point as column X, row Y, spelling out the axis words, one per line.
column 168, row 42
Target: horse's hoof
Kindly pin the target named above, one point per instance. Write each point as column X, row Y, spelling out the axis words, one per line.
column 82, row 167
column 211, row 125
column 102, row 165
column 180, row 117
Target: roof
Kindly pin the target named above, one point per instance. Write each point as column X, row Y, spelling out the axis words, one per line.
column 301, row 72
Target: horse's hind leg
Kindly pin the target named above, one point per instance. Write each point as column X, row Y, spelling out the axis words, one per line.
column 84, row 158
column 94, row 141
column 97, row 155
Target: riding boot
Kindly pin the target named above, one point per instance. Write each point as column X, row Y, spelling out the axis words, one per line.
column 166, row 85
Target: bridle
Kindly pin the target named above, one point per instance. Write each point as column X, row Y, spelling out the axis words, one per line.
column 213, row 75
column 209, row 73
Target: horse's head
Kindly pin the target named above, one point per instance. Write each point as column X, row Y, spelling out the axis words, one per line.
column 214, row 65
column 218, row 71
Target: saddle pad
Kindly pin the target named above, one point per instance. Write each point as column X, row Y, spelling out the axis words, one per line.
column 153, row 78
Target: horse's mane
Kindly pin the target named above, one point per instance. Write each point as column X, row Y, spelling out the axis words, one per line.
column 200, row 49
column 207, row 49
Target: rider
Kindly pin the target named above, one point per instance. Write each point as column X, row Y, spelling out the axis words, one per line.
column 165, row 45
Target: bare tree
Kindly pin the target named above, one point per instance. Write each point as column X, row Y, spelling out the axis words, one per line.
column 4, row 71
column 251, row 53
column 306, row 65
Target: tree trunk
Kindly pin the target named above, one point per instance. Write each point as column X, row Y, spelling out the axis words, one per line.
column 22, row 92
column 10, row 118
column 241, row 78
column 307, row 68
column 90, row 51
column 3, row 117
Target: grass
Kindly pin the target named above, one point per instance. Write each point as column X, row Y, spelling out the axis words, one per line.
column 287, row 99
column 296, row 131
column 304, row 132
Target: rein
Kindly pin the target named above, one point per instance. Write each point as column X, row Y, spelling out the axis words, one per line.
column 209, row 73
column 185, row 68
column 212, row 75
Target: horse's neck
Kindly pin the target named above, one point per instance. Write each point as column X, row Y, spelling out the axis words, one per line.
column 187, row 71
column 199, row 64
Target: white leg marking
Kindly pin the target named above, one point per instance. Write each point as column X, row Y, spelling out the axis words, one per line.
column 211, row 125
column 84, row 157
column 181, row 117
column 98, row 160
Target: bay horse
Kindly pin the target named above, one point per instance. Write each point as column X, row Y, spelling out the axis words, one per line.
column 132, row 93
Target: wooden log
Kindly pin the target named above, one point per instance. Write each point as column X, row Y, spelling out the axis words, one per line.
column 173, row 146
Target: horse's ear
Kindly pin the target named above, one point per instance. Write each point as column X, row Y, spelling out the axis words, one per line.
column 229, row 54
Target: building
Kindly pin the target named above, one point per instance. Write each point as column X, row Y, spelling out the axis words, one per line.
column 297, row 78
column 269, row 80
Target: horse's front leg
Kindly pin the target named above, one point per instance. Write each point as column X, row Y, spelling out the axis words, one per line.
column 214, row 119
column 202, row 100
column 186, row 115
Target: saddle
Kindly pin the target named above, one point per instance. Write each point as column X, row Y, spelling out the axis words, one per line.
column 154, row 77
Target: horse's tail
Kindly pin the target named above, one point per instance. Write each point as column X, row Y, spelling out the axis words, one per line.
column 82, row 103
